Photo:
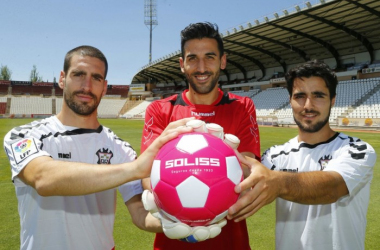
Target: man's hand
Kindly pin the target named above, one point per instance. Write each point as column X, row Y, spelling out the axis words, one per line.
column 257, row 190
column 183, row 232
column 145, row 160
column 216, row 130
column 263, row 186
column 179, row 230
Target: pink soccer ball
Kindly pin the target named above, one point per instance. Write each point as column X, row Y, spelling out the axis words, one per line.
column 193, row 179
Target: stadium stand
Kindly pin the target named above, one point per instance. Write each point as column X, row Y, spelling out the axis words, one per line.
column 369, row 108
column 3, row 105
column 21, row 90
column 110, row 108
column 138, row 111
column 27, row 105
column 359, row 98
column 41, row 90
column 58, row 91
column 58, row 104
column 250, row 93
column 269, row 100
column 4, row 87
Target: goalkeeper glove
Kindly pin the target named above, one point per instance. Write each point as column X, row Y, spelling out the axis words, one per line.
column 179, row 230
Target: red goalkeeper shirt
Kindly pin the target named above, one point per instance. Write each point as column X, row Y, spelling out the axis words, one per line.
column 237, row 116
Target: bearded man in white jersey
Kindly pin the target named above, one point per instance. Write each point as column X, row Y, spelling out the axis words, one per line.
column 320, row 179
column 66, row 168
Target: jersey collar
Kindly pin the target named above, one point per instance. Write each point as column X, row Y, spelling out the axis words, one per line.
column 187, row 101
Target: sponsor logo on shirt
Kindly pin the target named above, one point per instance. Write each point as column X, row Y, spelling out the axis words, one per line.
column 104, row 156
column 202, row 114
column 23, row 149
column 289, row 170
column 64, row 156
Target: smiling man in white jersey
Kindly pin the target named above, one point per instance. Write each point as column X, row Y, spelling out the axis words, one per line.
column 320, row 179
column 66, row 168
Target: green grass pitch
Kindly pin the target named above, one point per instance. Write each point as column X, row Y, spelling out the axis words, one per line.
column 127, row 236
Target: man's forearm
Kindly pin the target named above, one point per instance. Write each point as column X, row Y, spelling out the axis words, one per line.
column 317, row 187
column 74, row 178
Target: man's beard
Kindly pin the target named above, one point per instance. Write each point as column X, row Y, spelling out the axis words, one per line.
column 313, row 128
column 206, row 88
column 81, row 108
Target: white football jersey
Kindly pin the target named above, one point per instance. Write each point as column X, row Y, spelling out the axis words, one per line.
column 67, row 222
column 340, row 225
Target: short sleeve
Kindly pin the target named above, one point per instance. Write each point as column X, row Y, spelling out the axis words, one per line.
column 21, row 151
column 127, row 154
column 355, row 164
column 130, row 189
column 266, row 159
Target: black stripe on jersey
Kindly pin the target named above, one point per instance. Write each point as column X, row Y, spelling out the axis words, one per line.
column 226, row 99
column 357, row 156
column 352, row 139
column 360, row 147
column 24, row 127
column 306, row 145
column 126, row 144
column 15, row 136
column 80, row 131
column 178, row 101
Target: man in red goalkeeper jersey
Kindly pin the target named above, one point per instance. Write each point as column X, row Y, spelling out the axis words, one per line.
column 201, row 61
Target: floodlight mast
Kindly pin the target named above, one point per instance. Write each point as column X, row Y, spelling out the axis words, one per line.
column 150, row 13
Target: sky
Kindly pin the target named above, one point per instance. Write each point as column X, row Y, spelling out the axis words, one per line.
column 40, row 32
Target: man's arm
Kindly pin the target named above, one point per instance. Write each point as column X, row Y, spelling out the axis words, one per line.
column 142, row 218
column 264, row 186
column 54, row 177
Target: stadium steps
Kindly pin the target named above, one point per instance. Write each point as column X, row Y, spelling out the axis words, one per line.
column 138, row 111
column 129, row 105
column 366, row 97
column 258, row 92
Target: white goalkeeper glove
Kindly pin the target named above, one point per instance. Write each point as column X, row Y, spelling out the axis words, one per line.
column 216, row 130
column 179, row 230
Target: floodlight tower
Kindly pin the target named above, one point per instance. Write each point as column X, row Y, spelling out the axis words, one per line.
column 150, row 13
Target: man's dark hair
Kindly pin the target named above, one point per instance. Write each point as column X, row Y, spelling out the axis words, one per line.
column 85, row 50
column 310, row 69
column 199, row 31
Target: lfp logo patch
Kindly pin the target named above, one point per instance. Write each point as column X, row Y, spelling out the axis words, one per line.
column 24, row 148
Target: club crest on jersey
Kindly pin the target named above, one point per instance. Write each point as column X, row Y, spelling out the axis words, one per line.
column 324, row 161
column 104, row 156
column 23, row 149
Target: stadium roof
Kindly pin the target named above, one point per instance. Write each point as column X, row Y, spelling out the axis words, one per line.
column 329, row 29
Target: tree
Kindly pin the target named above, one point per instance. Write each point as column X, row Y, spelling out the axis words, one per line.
column 5, row 73
column 34, row 75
